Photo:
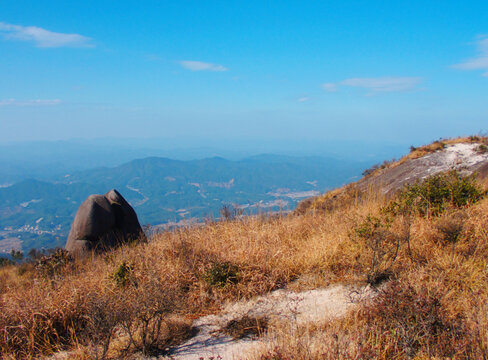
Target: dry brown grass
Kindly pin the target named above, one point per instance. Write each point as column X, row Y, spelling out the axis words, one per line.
column 436, row 306
column 169, row 276
column 137, row 297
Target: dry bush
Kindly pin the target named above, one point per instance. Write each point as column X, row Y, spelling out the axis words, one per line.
column 426, row 149
column 380, row 240
column 246, row 326
column 405, row 321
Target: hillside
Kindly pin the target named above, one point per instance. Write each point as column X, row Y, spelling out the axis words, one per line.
column 409, row 266
column 469, row 156
column 166, row 192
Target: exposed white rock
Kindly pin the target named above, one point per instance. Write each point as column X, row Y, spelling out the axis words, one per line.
column 298, row 308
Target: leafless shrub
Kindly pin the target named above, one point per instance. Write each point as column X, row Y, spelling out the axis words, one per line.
column 246, row 326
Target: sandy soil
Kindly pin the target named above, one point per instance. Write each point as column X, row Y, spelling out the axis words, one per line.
column 304, row 307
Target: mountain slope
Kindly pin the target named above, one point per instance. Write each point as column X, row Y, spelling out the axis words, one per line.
column 425, row 272
column 168, row 191
column 467, row 155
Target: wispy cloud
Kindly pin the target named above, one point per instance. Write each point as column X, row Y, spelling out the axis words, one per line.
column 202, row 66
column 479, row 62
column 43, row 38
column 303, row 99
column 377, row 85
column 37, row 102
column 330, row 87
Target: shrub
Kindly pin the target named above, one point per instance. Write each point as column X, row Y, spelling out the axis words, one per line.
column 436, row 193
column 123, row 275
column 17, row 255
column 451, row 226
column 230, row 212
column 104, row 313
column 147, row 314
column 246, row 326
column 221, row 274
column 5, row 262
column 404, row 322
column 371, row 170
column 380, row 244
column 52, row 266
column 481, row 149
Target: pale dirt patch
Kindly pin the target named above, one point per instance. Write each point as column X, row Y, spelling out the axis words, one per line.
column 282, row 305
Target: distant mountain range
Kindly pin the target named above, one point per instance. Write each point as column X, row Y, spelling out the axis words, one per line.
column 38, row 213
column 47, row 160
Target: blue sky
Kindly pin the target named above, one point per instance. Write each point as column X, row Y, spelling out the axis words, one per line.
column 391, row 71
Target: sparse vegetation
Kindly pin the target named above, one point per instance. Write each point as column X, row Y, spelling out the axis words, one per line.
column 483, row 148
column 371, row 170
column 379, row 244
column 246, row 326
column 52, row 266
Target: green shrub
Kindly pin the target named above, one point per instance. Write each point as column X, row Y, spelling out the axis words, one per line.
column 436, row 193
column 123, row 275
column 221, row 274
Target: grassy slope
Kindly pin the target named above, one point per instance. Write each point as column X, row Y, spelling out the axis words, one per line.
column 435, row 304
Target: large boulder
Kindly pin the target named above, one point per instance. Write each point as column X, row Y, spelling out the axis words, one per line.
column 102, row 222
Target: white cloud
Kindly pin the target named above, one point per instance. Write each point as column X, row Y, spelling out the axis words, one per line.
column 481, row 61
column 377, row 85
column 201, row 66
column 330, row 87
column 383, row 84
column 303, row 99
column 43, row 38
column 37, row 102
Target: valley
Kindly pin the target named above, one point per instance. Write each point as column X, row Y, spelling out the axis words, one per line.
column 166, row 193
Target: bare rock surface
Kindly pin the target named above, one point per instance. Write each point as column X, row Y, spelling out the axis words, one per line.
column 103, row 221
column 463, row 157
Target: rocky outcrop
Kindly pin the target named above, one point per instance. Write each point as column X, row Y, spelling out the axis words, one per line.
column 466, row 158
column 103, row 222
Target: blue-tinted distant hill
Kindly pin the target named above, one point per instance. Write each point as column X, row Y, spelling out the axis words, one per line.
column 163, row 191
column 47, row 160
